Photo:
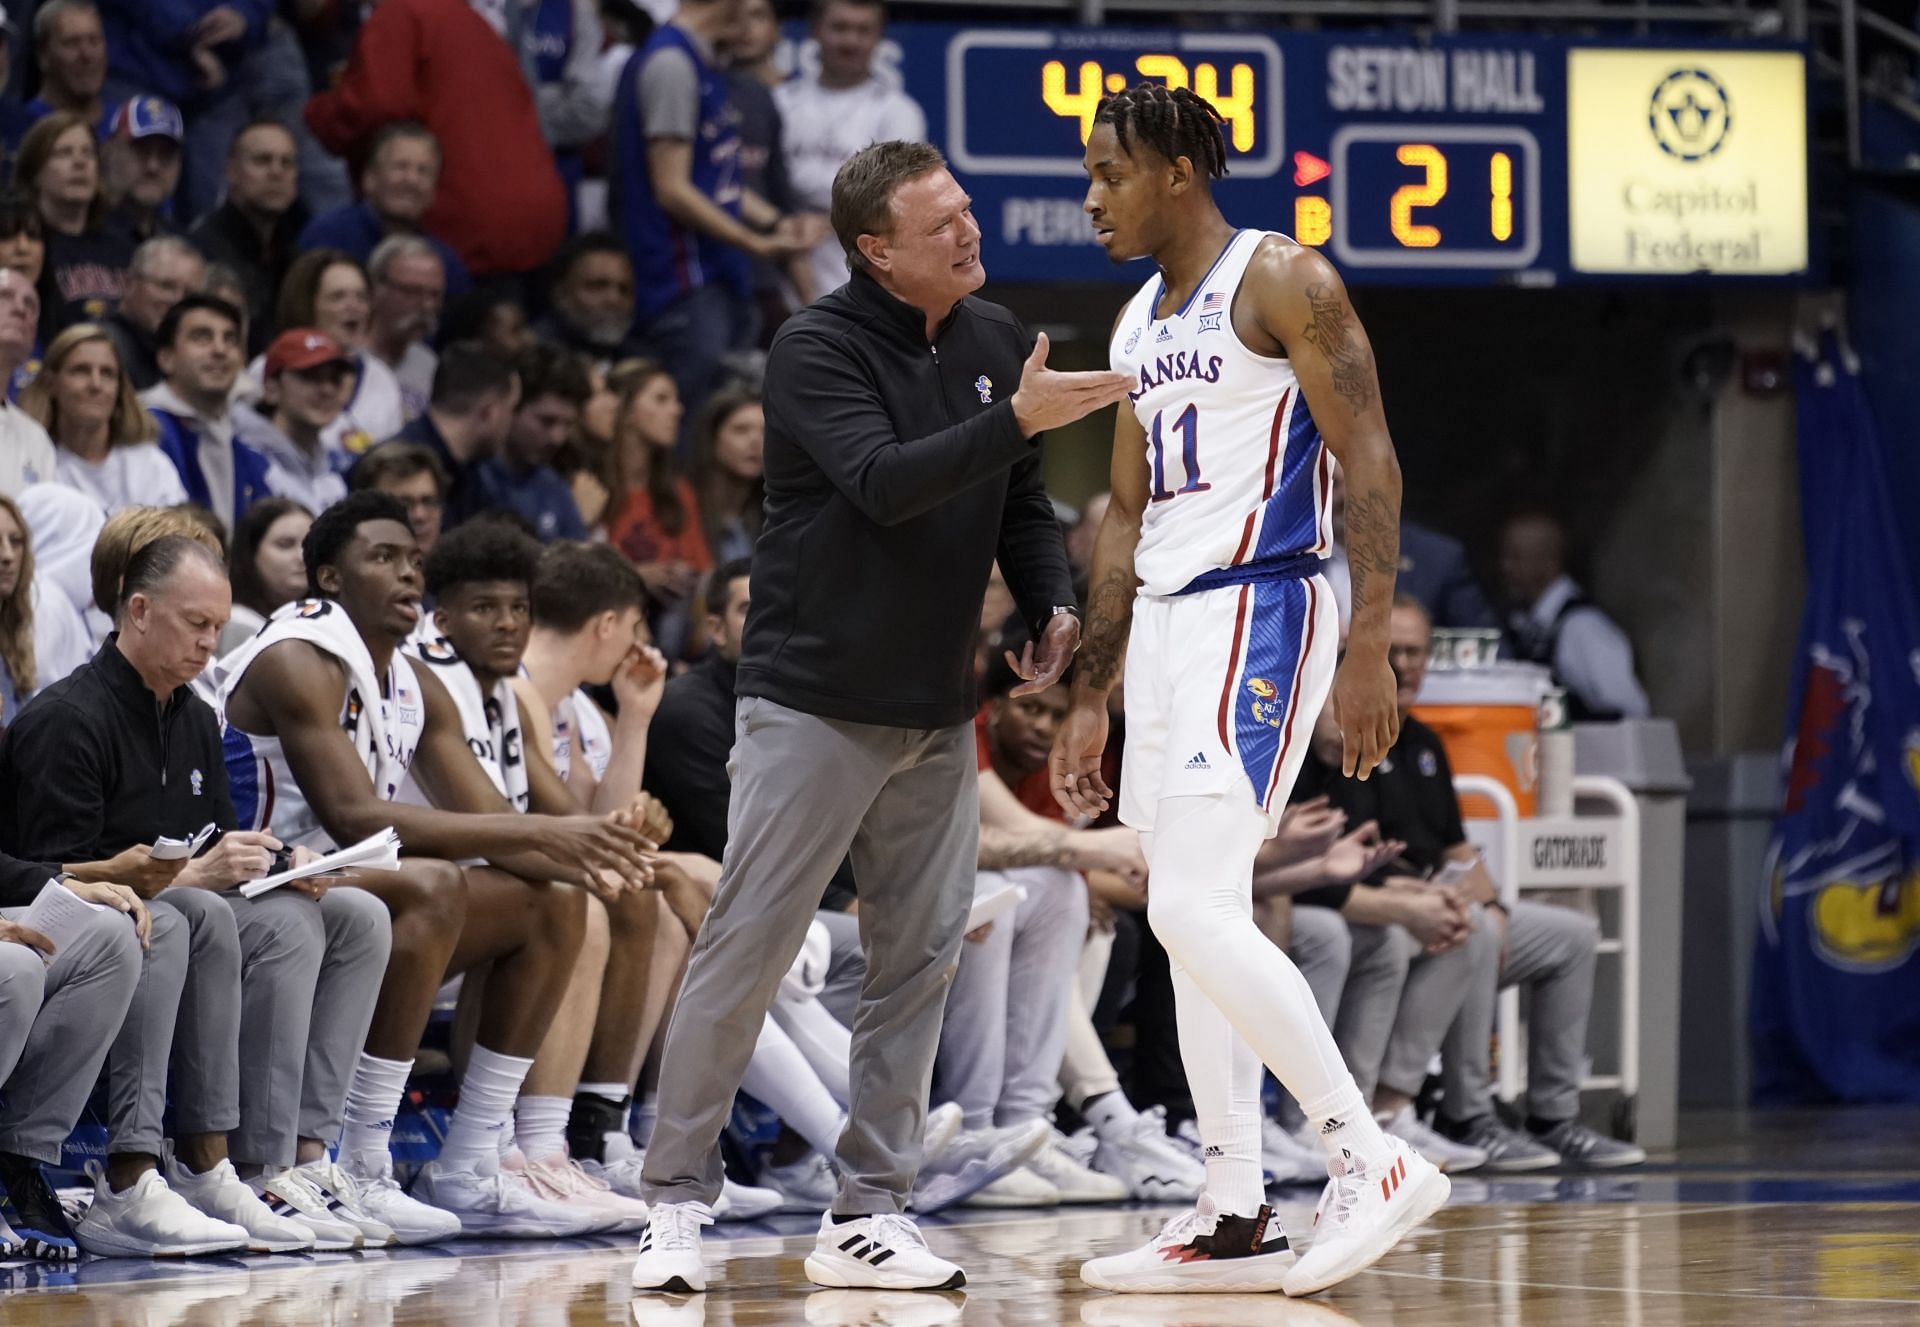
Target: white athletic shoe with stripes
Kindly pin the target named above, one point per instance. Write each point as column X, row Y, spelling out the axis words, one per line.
column 1364, row 1212
column 884, row 1252
column 670, row 1260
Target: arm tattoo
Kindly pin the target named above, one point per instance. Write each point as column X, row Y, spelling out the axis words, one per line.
column 1004, row 849
column 1109, row 612
column 1331, row 332
column 1373, row 546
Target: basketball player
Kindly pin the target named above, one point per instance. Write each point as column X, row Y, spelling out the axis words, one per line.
column 326, row 720
column 480, row 575
column 1252, row 377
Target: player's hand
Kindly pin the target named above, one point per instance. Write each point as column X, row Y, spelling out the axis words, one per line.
column 640, row 680
column 1116, row 849
column 1043, row 669
column 1428, row 915
column 1073, row 766
column 239, row 856
column 1363, row 701
column 648, row 814
column 1046, row 399
column 1358, row 855
column 590, row 844
column 16, row 933
column 1310, row 828
column 136, row 867
column 123, row 897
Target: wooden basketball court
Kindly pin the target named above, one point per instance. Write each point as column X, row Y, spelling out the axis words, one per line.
column 1806, row 1219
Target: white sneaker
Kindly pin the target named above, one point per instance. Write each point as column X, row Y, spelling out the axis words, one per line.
column 224, row 1196
column 1448, row 1157
column 882, row 1252
column 381, row 1198
column 1364, row 1212
column 975, row 1159
column 558, row 1179
column 621, row 1166
column 287, row 1194
column 894, row 1308
column 1201, row 1250
column 744, row 1202
column 343, row 1199
column 806, row 1185
column 1152, row 1167
column 1017, row 1188
column 1075, row 1181
column 11, row 1245
column 670, row 1257
column 943, row 1126
column 501, row 1204
column 150, row 1220
column 1285, row 1159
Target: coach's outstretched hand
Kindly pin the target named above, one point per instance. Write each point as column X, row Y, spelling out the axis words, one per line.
column 1047, row 399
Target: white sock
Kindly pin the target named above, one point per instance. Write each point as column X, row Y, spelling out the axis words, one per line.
column 1346, row 1128
column 373, row 1099
column 779, row 1075
column 1232, row 1154
column 487, row 1093
column 644, row 1116
column 540, row 1125
column 1111, row 1115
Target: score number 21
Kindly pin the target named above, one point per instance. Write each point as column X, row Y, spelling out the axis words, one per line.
column 1433, row 163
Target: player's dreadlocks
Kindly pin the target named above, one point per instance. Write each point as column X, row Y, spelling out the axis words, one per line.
column 1175, row 122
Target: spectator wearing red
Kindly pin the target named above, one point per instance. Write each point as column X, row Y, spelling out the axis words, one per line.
column 655, row 517
column 500, row 202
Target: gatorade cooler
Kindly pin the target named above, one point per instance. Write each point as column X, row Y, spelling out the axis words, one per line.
column 1487, row 718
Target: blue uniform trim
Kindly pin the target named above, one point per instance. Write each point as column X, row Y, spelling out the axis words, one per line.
column 1262, row 571
column 1266, row 689
column 243, row 777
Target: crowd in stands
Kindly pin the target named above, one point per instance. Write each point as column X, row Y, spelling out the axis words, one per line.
column 362, row 464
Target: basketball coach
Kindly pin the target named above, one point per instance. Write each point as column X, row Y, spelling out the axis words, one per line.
column 901, row 460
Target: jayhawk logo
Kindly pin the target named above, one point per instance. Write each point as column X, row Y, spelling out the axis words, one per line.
column 984, row 385
column 1266, row 702
column 1864, row 913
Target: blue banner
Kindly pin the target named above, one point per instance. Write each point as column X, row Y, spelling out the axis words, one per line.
column 1836, row 989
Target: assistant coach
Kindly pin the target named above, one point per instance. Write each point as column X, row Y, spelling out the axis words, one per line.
column 900, row 463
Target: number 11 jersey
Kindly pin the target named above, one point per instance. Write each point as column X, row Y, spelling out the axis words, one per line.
column 1236, row 467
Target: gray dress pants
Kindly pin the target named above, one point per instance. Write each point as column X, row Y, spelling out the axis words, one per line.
column 1550, row 956
column 805, row 791
column 1356, row 974
column 56, row 1022
column 204, row 982
column 1391, row 1046
column 310, row 974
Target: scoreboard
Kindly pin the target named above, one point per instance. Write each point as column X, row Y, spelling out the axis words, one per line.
column 1463, row 159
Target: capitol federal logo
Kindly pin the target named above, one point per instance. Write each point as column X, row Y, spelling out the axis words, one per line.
column 1690, row 114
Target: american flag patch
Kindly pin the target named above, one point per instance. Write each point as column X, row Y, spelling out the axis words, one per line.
column 1212, row 303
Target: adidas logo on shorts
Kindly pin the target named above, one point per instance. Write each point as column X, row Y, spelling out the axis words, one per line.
column 1199, row 761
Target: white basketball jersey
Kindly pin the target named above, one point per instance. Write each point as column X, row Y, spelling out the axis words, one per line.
column 383, row 717
column 1236, row 467
column 579, row 725
column 491, row 722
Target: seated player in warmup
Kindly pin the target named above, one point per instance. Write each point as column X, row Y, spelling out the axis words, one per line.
column 1249, row 360
column 480, row 575
column 326, row 720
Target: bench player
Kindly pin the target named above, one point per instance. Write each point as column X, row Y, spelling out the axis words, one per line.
column 1253, row 376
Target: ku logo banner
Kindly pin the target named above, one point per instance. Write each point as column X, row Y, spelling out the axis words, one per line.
column 1836, row 992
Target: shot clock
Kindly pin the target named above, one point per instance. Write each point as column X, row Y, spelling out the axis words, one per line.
column 1458, row 159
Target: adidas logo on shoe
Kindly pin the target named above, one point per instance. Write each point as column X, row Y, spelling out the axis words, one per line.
column 1199, row 761
column 866, row 1250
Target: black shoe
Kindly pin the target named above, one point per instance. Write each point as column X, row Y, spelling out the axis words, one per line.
column 37, row 1217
